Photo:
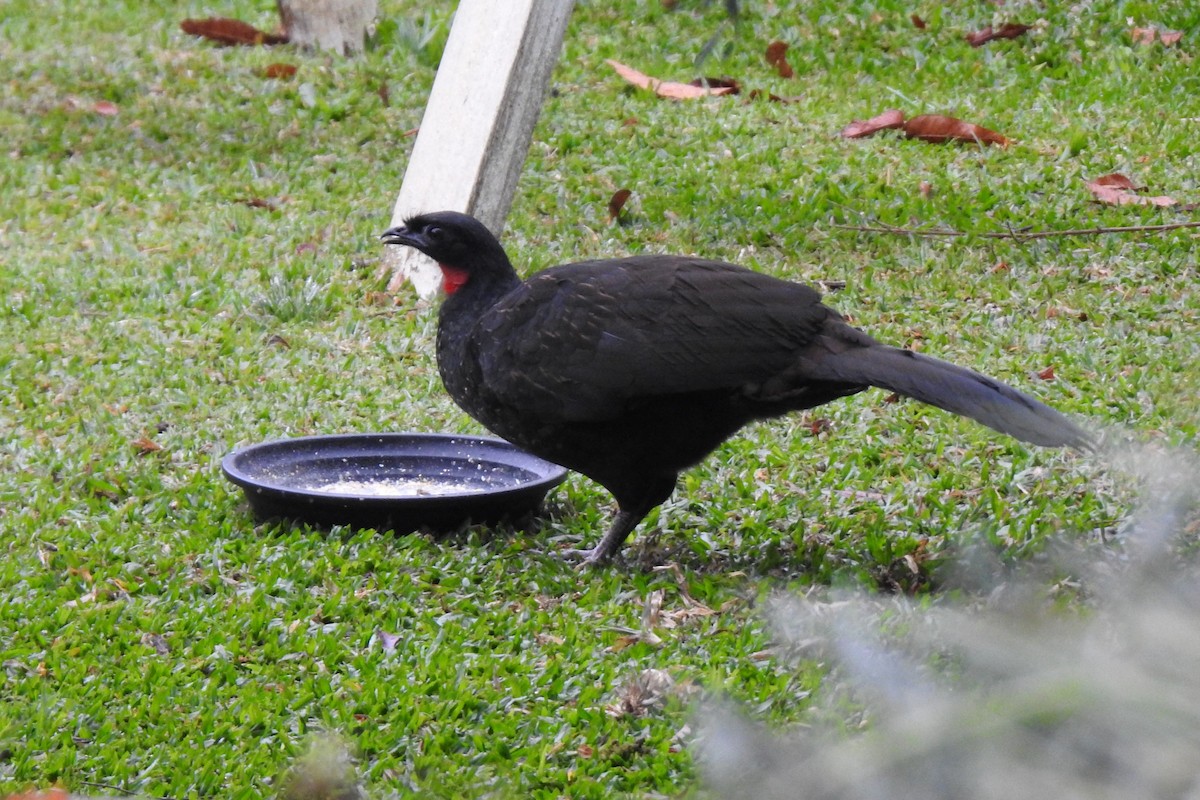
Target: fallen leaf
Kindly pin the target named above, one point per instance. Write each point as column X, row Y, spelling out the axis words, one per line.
column 1150, row 35
column 229, row 31
column 777, row 58
column 646, row 692
column 717, row 83
column 1047, row 374
column 1143, row 35
column 385, row 95
column 1116, row 189
column 624, row 642
column 1009, row 30
column 259, row 202
column 926, row 189
column 617, row 202
column 774, row 98
column 888, row 119
column 145, row 445
column 939, row 128
column 819, row 425
column 49, row 794
column 1053, row 312
column 668, row 89
column 917, row 22
column 387, row 641
column 105, row 109
column 1117, row 181
column 277, row 71
column 156, row 642
column 652, row 611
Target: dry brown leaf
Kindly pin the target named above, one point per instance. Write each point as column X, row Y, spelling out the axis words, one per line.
column 777, row 58
column 1009, row 30
column 938, row 128
column 1116, row 189
column 1151, row 35
column 1047, row 374
column 617, row 202
column 1052, row 312
column 668, row 89
column 277, row 71
column 717, row 83
column 755, row 94
column 1117, row 181
column 917, row 22
column 49, row 794
column 888, row 119
column 229, row 31
column 105, row 108
column 1143, row 35
column 145, row 445
column 259, row 202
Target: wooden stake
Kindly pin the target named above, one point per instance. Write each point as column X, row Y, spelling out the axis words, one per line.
column 479, row 120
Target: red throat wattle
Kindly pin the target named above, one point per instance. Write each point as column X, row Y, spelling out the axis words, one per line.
column 453, row 278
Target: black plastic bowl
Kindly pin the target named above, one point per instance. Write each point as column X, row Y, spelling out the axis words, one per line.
column 391, row 481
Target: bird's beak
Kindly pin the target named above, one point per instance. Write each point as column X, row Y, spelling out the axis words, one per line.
column 403, row 236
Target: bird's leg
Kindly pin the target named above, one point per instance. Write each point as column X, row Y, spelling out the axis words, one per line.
column 622, row 525
column 633, row 504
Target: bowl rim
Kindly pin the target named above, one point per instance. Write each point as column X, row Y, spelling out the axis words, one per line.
column 238, row 472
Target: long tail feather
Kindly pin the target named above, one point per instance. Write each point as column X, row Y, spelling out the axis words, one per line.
column 959, row 391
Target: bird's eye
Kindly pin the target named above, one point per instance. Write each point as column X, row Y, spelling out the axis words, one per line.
column 433, row 232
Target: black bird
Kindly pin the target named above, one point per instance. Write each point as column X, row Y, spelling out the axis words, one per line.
column 629, row 370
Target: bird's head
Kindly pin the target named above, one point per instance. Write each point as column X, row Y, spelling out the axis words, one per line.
column 460, row 244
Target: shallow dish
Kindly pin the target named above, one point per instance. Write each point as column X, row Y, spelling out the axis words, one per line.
column 391, row 481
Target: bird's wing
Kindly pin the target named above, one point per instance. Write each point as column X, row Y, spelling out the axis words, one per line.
column 581, row 341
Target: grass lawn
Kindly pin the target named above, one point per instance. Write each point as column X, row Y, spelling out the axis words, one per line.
column 189, row 264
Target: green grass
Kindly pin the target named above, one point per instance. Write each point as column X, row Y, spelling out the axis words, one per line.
column 148, row 624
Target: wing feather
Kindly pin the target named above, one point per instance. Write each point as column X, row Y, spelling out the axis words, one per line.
column 582, row 341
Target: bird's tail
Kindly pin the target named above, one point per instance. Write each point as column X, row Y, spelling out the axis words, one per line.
column 960, row 391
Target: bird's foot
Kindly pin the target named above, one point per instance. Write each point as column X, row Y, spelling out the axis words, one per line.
column 610, row 544
column 585, row 559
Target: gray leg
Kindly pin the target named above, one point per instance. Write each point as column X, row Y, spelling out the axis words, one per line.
column 622, row 525
column 632, row 508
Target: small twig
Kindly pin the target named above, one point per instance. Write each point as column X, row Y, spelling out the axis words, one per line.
column 1019, row 236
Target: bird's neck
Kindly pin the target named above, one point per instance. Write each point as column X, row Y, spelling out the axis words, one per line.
column 458, row 333
column 472, row 299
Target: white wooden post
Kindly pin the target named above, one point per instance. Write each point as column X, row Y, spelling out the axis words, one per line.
column 479, row 119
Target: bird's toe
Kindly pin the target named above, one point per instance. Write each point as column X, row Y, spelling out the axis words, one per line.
column 584, row 559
